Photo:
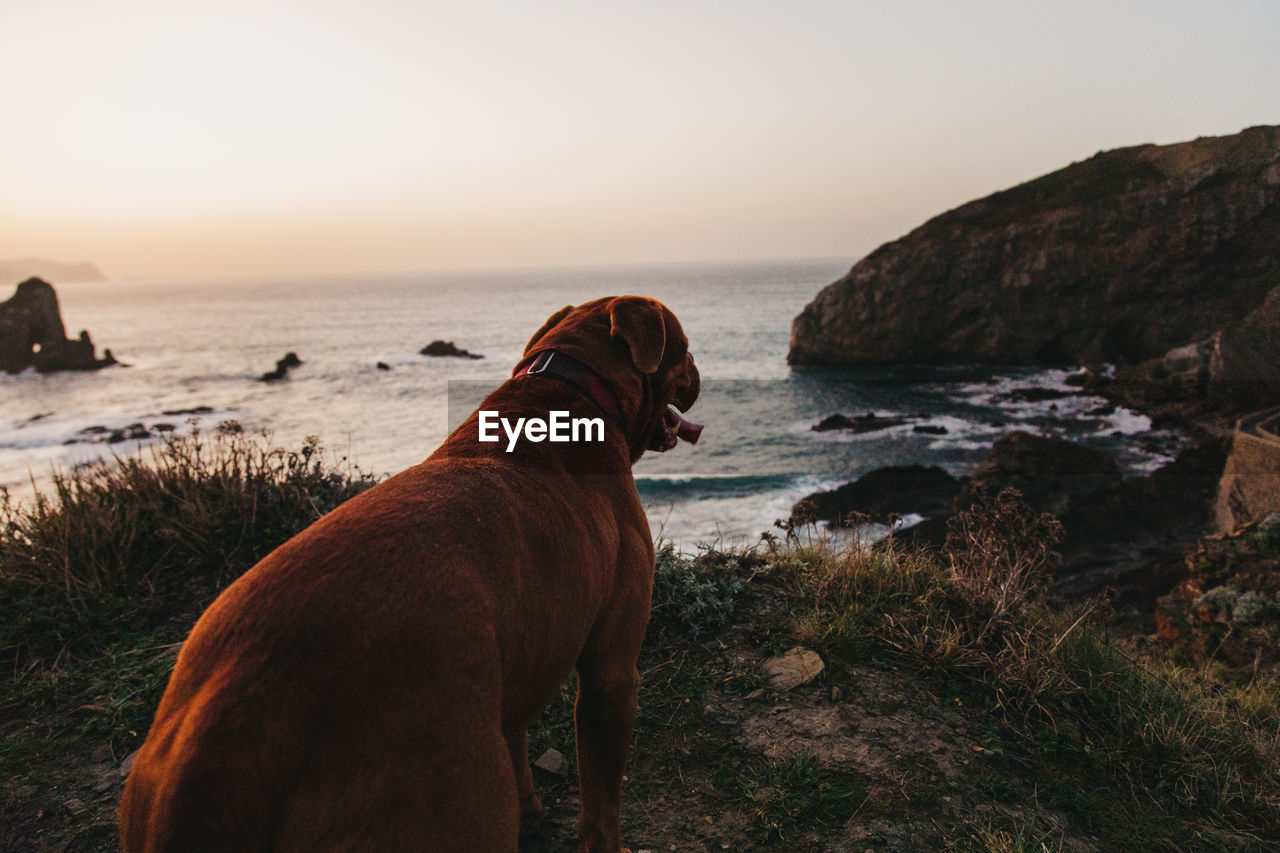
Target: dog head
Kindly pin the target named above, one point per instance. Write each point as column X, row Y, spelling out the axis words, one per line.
column 636, row 345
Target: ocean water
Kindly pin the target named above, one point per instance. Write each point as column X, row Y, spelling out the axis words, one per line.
column 204, row 344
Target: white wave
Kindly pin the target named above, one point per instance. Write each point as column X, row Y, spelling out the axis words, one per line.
column 731, row 520
column 1128, row 422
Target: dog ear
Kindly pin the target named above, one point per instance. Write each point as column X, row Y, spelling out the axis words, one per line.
column 548, row 326
column 640, row 324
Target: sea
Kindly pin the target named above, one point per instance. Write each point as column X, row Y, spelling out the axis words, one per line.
column 198, row 348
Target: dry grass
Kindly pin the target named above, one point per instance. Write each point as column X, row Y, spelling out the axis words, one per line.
column 975, row 620
column 121, row 542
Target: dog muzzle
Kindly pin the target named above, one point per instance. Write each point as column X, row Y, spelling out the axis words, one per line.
column 676, row 428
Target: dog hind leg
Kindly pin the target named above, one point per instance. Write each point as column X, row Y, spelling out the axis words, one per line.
column 531, row 810
column 605, row 714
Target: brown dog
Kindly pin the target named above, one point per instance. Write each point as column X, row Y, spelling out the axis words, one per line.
column 368, row 685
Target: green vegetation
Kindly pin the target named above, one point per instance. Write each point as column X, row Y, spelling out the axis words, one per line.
column 1051, row 734
column 783, row 796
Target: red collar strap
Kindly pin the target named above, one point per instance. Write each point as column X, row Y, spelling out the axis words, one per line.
column 574, row 372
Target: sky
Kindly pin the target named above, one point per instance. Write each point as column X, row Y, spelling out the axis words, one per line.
column 167, row 139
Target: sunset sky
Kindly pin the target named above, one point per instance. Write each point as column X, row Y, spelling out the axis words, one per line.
column 169, row 139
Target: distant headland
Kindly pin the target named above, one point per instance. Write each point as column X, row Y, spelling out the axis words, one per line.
column 12, row 272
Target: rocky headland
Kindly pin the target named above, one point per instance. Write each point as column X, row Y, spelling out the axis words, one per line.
column 32, row 334
column 1161, row 261
column 1119, row 258
column 14, row 271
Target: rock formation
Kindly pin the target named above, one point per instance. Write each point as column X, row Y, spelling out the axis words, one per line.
column 1235, row 370
column 440, row 348
column 870, row 422
column 897, row 490
column 32, row 334
column 283, row 366
column 1119, row 258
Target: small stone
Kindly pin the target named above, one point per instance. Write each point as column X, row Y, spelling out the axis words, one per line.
column 127, row 764
column 553, row 761
column 798, row 666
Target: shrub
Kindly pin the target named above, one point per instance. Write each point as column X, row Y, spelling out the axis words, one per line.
column 123, row 542
column 1000, row 552
column 694, row 595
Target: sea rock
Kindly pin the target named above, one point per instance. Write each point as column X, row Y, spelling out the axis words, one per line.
column 870, row 422
column 884, row 491
column 1032, row 394
column 1119, row 258
column 283, row 366
column 1128, row 535
column 1054, row 475
column 32, row 334
column 446, row 348
column 138, row 431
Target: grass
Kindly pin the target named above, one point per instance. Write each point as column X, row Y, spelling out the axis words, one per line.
column 784, row 796
column 989, row 837
column 101, row 579
column 1150, row 742
column 120, row 546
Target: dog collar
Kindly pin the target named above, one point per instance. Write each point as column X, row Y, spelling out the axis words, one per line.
column 574, row 372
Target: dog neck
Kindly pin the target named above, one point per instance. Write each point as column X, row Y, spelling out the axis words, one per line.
column 555, row 363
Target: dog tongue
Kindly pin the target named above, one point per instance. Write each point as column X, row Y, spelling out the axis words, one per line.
column 682, row 428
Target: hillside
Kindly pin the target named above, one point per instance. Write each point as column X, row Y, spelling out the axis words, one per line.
column 1119, row 258
column 944, row 705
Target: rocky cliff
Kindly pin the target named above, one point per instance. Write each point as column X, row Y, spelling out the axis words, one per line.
column 1119, row 258
column 32, row 334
